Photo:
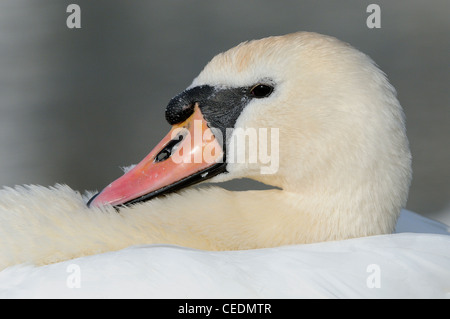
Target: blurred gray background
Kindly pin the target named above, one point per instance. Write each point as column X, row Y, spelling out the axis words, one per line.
column 75, row 104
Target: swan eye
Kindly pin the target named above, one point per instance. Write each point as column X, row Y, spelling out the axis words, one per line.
column 261, row 90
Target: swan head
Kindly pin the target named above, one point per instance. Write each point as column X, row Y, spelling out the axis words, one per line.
column 333, row 129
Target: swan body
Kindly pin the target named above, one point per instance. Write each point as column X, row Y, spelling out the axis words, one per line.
column 414, row 262
column 344, row 164
column 411, row 266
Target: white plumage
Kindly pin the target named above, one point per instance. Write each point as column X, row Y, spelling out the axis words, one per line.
column 411, row 265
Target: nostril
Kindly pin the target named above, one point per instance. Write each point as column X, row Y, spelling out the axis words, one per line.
column 169, row 149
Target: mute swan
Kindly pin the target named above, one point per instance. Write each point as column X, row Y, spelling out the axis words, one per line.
column 343, row 172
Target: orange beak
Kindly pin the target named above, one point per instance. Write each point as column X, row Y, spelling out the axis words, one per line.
column 188, row 154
